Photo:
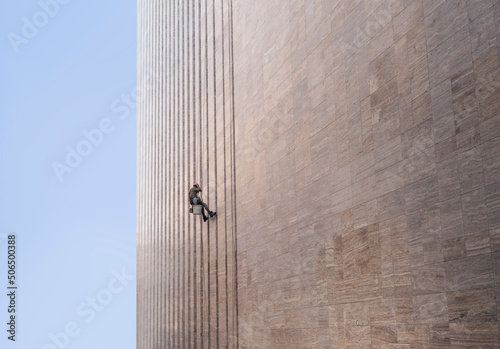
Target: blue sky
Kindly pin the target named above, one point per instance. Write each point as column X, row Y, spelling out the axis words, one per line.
column 75, row 225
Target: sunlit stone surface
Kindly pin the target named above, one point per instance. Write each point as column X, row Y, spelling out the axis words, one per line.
column 351, row 150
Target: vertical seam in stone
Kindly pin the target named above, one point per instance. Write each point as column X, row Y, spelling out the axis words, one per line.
column 188, row 134
column 235, row 239
column 200, row 137
column 170, row 180
column 208, row 179
column 148, row 307
column 183, row 174
column 186, row 123
column 156, row 179
column 225, row 166
column 153, row 179
column 195, row 169
column 164, row 175
column 169, row 185
column 191, row 172
column 139, row 169
column 146, row 176
column 140, row 201
column 215, row 177
column 160, row 155
column 173, row 170
column 178, row 160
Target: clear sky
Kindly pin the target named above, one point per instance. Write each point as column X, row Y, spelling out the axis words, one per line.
column 68, row 172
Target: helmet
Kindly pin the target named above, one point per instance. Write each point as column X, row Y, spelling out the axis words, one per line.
column 196, row 185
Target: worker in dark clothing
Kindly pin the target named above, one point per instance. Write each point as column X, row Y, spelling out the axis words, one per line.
column 194, row 199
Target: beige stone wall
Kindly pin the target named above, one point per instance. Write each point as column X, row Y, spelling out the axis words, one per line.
column 354, row 164
column 186, row 268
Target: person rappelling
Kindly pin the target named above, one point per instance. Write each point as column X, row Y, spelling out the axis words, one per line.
column 195, row 199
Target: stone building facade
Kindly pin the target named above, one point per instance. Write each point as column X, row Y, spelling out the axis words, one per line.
column 351, row 150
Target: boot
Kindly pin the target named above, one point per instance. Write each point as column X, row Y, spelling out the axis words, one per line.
column 212, row 213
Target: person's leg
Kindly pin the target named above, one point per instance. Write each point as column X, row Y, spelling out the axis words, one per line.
column 208, row 210
column 205, row 206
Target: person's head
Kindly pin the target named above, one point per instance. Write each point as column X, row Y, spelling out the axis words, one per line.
column 196, row 185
